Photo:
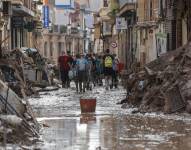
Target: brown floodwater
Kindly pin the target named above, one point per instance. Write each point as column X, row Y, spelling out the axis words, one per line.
column 109, row 128
column 89, row 132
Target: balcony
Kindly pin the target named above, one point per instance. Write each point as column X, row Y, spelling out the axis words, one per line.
column 127, row 6
column 17, row 2
column 124, row 2
column 22, row 7
column 23, row 11
column 104, row 13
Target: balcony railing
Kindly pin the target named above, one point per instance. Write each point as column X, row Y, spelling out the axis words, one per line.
column 18, row 2
column 23, row 7
column 123, row 2
column 25, row 3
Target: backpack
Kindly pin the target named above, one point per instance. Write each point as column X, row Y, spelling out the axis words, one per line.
column 108, row 61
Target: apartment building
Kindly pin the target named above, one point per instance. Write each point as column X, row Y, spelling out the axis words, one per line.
column 151, row 37
column 17, row 24
column 127, row 37
column 67, row 30
column 22, row 23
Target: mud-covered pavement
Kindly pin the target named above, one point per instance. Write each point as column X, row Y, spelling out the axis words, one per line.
column 110, row 128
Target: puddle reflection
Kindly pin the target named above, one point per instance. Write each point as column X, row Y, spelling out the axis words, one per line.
column 111, row 128
column 90, row 132
column 87, row 118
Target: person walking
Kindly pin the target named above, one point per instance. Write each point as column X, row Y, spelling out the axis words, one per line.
column 99, row 70
column 70, row 62
column 90, row 72
column 81, row 65
column 115, row 71
column 75, row 67
column 94, row 70
column 64, row 66
column 107, row 67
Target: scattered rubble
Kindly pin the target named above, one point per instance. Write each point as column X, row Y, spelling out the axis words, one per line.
column 24, row 69
column 162, row 85
column 23, row 72
column 16, row 116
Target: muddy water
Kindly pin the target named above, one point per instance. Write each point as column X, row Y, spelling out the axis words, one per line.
column 110, row 128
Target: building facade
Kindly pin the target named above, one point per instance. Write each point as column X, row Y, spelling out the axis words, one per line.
column 18, row 20
column 68, row 31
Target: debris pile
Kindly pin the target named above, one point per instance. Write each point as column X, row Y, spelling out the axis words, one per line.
column 23, row 72
column 23, row 69
column 162, row 85
column 17, row 121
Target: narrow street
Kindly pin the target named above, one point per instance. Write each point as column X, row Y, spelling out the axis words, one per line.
column 136, row 52
column 110, row 128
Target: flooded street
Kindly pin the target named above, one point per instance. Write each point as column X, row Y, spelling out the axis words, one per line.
column 110, row 128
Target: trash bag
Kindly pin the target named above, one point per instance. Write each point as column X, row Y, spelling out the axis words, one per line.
column 72, row 74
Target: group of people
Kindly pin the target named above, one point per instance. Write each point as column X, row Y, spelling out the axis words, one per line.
column 87, row 71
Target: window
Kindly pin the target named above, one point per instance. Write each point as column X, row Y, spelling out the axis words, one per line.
column 59, row 48
column 151, row 9
column 51, row 49
column 105, row 3
column 45, row 49
column 55, row 28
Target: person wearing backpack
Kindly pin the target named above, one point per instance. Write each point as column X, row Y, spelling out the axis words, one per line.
column 107, row 68
column 98, row 70
column 63, row 62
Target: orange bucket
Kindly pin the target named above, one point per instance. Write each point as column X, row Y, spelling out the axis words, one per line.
column 88, row 105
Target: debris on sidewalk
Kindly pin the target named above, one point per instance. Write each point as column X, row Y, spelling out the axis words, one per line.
column 22, row 71
column 11, row 120
column 16, row 116
column 162, row 85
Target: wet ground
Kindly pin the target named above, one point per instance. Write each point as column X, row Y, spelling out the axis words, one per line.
column 110, row 128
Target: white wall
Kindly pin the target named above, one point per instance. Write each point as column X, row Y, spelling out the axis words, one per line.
column 61, row 16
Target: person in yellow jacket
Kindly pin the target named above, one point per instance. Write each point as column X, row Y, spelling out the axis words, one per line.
column 108, row 68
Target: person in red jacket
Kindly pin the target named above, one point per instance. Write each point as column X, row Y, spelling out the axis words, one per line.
column 64, row 65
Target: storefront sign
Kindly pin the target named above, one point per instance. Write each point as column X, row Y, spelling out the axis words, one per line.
column 46, row 16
